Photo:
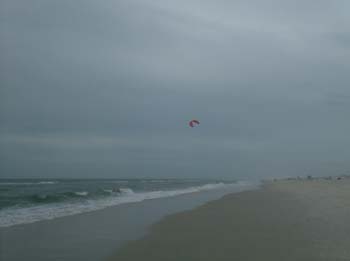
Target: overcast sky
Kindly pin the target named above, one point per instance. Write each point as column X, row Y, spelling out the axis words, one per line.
column 106, row 88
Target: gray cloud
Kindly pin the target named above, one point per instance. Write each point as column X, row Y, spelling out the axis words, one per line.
column 106, row 89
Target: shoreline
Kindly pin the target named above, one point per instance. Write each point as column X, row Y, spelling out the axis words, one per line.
column 42, row 204
column 95, row 235
column 284, row 220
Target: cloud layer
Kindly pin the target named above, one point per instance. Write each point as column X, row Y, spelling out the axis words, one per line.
column 105, row 89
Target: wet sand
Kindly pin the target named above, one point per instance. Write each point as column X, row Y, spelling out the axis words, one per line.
column 285, row 220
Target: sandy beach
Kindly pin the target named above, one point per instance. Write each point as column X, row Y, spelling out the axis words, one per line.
column 285, row 220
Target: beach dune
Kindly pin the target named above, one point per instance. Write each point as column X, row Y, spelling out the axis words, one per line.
column 285, row 220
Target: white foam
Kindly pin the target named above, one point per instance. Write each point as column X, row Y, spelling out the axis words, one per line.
column 81, row 193
column 14, row 216
column 47, row 182
column 126, row 191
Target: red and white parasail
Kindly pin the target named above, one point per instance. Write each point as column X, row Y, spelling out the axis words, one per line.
column 193, row 123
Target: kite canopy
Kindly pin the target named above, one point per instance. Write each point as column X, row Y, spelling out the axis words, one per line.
column 192, row 123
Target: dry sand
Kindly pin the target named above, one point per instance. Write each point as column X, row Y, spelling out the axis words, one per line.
column 286, row 220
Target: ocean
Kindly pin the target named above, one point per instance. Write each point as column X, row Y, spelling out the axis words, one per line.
column 29, row 200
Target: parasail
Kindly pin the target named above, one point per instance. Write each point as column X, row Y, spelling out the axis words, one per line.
column 192, row 123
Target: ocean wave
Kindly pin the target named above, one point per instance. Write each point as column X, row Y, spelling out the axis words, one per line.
column 126, row 191
column 28, row 183
column 155, row 181
column 15, row 215
column 81, row 193
column 119, row 191
column 45, row 198
column 47, row 182
column 120, row 181
column 57, row 197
